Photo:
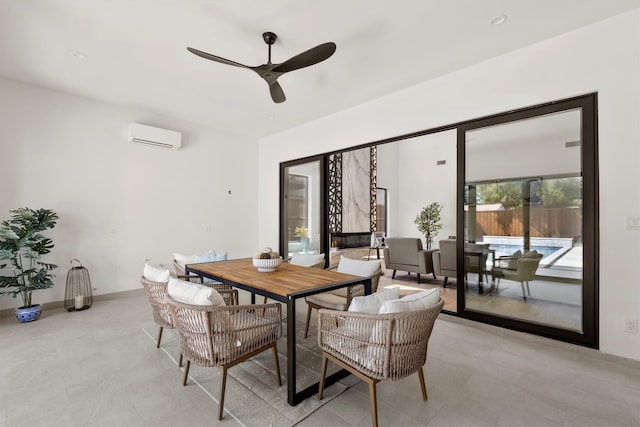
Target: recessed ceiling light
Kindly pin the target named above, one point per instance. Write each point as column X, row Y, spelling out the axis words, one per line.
column 271, row 117
column 78, row 55
column 498, row 20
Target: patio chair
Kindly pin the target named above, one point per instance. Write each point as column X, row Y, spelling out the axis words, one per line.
column 224, row 336
column 376, row 347
column 406, row 254
column 475, row 260
column 307, row 260
column 162, row 316
column 341, row 298
column 194, row 278
column 157, row 295
column 180, row 260
column 180, row 274
column 519, row 269
column 444, row 260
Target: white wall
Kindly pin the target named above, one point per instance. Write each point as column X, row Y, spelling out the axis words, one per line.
column 409, row 170
column 603, row 57
column 70, row 154
column 423, row 182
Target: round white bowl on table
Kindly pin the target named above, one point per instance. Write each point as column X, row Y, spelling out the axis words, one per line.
column 267, row 265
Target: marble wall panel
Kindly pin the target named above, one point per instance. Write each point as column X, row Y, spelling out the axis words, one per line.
column 356, row 176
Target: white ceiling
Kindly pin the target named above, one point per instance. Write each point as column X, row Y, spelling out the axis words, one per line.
column 136, row 50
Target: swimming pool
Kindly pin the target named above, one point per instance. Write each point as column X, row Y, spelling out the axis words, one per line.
column 503, row 249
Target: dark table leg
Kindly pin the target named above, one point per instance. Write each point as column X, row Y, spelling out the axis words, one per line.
column 294, row 397
column 291, row 352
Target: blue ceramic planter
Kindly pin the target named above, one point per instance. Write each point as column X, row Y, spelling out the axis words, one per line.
column 28, row 314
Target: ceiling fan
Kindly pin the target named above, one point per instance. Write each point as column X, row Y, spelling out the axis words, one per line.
column 270, row 72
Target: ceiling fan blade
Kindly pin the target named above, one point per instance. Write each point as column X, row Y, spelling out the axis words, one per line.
column 211, row 57
column 307, row 58
column 277, row 94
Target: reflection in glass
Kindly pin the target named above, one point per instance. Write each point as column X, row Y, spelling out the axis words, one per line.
column 302, row 208
column 523, row 220
column 381, row 210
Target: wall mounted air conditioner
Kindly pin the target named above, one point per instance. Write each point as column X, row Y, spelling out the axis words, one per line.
column 157, row 137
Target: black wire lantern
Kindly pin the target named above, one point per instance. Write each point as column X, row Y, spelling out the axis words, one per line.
column 78, row 293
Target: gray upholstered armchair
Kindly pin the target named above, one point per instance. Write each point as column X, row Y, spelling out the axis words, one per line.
column 406, row 254
column 444, row 260
column 519, row 268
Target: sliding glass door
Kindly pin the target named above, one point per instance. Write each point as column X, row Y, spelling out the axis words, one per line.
column 529, row 194
column 520, row 205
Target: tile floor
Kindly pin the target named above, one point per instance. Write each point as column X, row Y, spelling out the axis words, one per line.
column 95, row 368
column 551, row 303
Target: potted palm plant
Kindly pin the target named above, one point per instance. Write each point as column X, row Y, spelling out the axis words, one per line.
column 23, row 245
column 428, row 221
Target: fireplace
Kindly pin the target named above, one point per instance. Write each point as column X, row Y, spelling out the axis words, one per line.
column 350, row 240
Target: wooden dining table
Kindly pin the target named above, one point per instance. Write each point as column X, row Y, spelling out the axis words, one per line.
column 287, row 284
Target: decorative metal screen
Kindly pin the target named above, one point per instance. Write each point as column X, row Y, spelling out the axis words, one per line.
column 335, row 193
column 373, row 186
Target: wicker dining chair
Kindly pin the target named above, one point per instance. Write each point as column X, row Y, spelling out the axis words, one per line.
column 224, row 336
column 157, row 295
column 376, row 347
column 340, row 299
column 195, row 278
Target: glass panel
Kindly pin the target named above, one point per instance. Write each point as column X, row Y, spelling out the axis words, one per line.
column 302, row 207
column 523, row 220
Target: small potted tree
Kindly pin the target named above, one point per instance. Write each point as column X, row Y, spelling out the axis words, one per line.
column 428, row 222
column 23, row 245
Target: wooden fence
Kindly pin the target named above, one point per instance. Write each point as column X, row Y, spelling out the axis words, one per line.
column 544, row 222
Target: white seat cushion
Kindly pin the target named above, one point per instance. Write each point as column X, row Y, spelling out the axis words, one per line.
column 513, row 260
column 412, row 302
column 208, row 256
column 193, row 293
column 328, row 300
column 358, row 267
column 155, row 273
column 372, row 303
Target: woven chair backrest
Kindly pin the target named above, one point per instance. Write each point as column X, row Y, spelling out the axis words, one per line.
column 193, row 324
column 382, row 346
column 157, row 295
column 218, row 335
column 409, row 341
column 179, row 269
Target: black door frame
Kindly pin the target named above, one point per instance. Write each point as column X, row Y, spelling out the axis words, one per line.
column 588, row 103
column 589, row 165
column 324, row 239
